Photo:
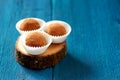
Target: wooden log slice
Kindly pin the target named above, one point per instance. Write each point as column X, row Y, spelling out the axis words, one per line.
column 49, row 58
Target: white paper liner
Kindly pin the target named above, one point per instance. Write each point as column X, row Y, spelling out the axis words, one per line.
column 59, row 39
column 40, row 21
column 36, row 50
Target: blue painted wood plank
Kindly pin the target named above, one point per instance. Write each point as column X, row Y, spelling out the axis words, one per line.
column 94, row 44
column 10, row 12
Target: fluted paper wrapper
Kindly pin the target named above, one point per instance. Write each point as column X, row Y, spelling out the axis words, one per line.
column 36, row 50
column 40, row 21
column 59, row 39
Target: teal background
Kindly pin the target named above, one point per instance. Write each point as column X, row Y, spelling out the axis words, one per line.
column 93, row 45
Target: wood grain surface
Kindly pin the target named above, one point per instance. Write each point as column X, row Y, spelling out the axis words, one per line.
column 10, row 12
column 93, row 46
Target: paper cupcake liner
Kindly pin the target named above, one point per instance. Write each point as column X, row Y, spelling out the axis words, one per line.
column 36, row 50
column 59, row 39
column 41, row 22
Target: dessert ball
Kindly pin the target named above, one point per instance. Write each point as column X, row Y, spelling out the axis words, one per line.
column 35, row 39
column 29, row 24
column 56, row 29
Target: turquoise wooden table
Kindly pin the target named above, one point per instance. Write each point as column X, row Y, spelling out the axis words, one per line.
column 93, row 46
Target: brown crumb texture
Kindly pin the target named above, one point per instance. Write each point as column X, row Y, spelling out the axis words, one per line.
column 35, row 39
column 29, row 24
column 56, row 29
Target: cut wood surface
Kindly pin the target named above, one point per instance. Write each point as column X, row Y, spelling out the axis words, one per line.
column 49, row 58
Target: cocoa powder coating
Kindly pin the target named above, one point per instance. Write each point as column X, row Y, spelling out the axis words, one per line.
column 56, row 29
column 29, row 24
column 35, row 39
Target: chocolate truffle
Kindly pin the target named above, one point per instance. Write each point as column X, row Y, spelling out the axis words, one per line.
column 35, row 39
column 29, row 24
column 56, row 29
